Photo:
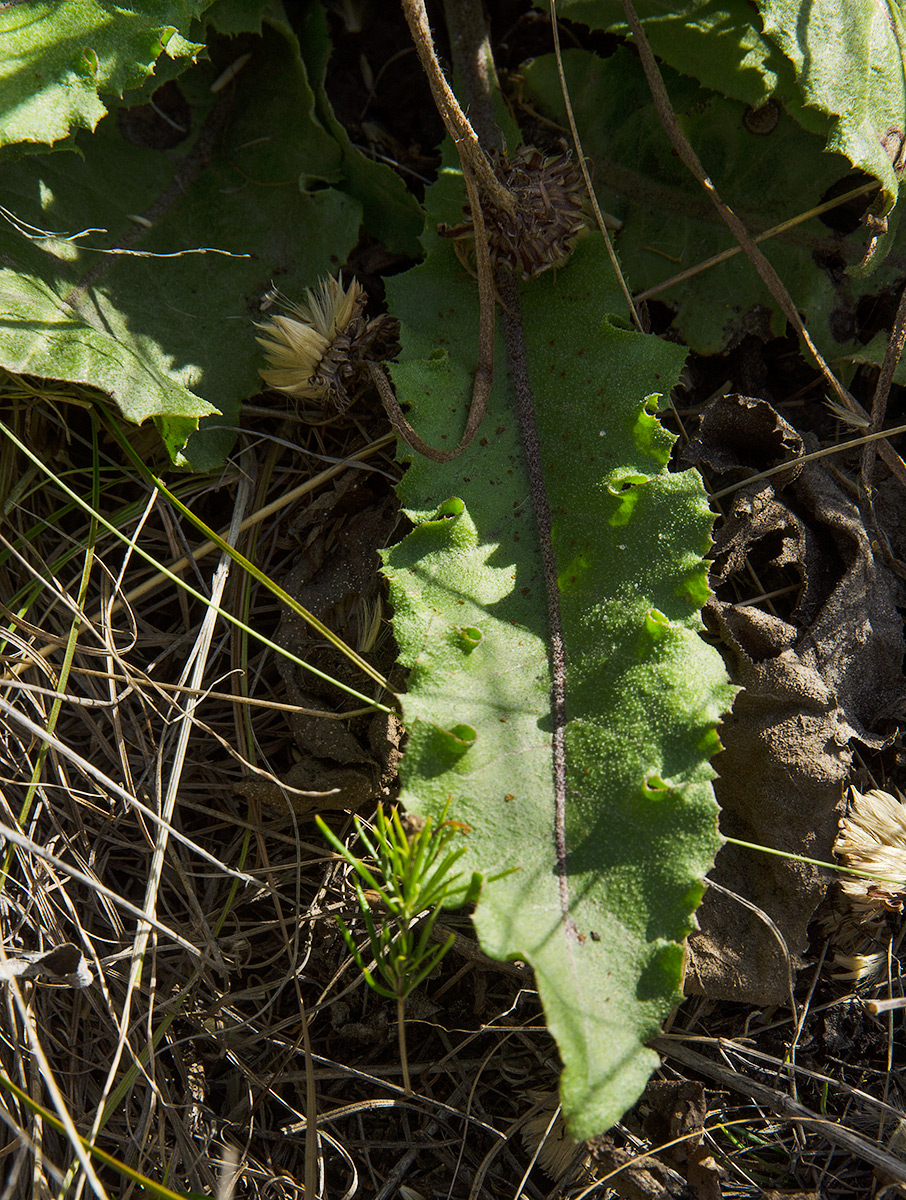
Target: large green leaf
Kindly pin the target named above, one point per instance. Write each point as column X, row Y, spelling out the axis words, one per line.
column 714, row 41
column 391, row 212
column 171, row 337
column 671, row 225
column 58, row 56
column 849, row 65
column 836, row 68
column 643, row 692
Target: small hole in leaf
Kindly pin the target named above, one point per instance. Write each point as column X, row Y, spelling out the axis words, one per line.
column 655, row 786
column 451, row 508
column 626, row 484
column 464, row 734
column 468, row 638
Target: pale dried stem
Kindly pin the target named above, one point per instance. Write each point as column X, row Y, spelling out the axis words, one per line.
column 195, row 668
column 583, row 166
column 268, row 510
column 781, row 1104
column 838, row 448
column 769, row 234
column 484, row 371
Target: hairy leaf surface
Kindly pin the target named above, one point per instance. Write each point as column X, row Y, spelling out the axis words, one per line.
column 58, row 57
column 670, row 225
column 836, row 68
column 169, row 337
column 643, row 693
column 713, row 41
column 849, row 65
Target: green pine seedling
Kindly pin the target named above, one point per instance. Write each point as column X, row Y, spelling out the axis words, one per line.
column 414, row 879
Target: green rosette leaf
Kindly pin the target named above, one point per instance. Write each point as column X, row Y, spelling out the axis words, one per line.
column 643, row 692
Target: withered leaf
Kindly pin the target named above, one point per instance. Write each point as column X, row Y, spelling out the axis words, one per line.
column 821, row 671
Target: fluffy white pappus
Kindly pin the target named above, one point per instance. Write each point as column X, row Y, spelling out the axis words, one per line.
column 872, row 839
column 296, row 344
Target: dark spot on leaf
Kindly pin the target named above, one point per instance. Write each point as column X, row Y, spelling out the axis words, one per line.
column 763, row 119
column 846, row 218
column 654, row 785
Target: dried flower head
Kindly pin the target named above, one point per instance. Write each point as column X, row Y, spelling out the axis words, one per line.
column 545, row 1137
column 871, row 839
column 859, row 968
column 549, row 193
column 318, row 350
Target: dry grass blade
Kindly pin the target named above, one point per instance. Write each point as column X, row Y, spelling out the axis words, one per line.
column 265, row 513
column 186, row 588
column 113, row 788
column 196, row 664
column 837, row 448
column 217, row 1005
column 791, row 1110
column 589, row 187
column 768, row 235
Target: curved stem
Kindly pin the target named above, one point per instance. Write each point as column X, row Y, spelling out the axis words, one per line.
column 484, row 371
column 455, row 120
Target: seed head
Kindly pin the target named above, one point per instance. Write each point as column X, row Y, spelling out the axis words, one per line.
column 871, row 838
column 317, row 351
column 549, row 196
